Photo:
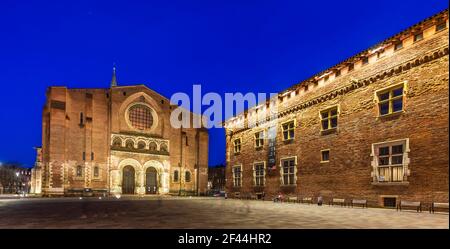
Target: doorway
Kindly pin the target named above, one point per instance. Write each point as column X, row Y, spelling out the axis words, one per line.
column 128, row 180
column 151, row 182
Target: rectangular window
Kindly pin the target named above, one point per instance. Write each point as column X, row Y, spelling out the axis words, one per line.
column 329, row 118
column 92, row 156
column 84, row 156
column 441, row 26
column 288, row 171
column 418, row 37
column 325, row 156
column 237, row 176
column 288, row 130
column 391, row 100
column 390, row 162
column 237, row 145
column 259, row 139
column 259, row 174
column 398, row 46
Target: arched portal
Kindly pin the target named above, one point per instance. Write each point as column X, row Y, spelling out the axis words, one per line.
column 128, row 180
column 151, row 181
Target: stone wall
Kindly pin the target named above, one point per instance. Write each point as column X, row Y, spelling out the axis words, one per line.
column 422, row 66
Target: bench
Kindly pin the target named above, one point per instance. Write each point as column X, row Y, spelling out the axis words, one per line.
column 253, row 197
column 414, row 204
column 237, row 195
column 293, row 199
column 308, row 200
column 438, row 205
column 356, row 202
column 260, row 196
column 337, row 201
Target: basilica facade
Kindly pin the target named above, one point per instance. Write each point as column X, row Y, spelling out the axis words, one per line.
column 117, row 140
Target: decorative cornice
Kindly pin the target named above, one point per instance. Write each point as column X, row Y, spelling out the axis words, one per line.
column 355, row 84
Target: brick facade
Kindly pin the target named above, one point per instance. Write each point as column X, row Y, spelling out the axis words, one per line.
column 420, row 66
column 79, row 129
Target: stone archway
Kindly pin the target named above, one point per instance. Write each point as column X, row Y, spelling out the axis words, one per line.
column 118, row 176
column 161, row 174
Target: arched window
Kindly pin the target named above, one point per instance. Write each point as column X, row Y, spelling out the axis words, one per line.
column 79, row 172
column 129, row 144
column 117, row 142
column 187, row 176
column 163, row 148
column 96, row 171
column 152, row 146
column 141, row 145
column 175, row 176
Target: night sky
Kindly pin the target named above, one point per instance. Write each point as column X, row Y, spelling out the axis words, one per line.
column 226, row 46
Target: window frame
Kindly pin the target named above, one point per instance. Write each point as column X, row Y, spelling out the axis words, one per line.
column 405, row 162
column 259, row 141
column 321, row 156
column 235, row 146
column 391, row 99
column 256, row 176
column 239, row 183
column 329, row 117
column 282, row 174
column 294, row 121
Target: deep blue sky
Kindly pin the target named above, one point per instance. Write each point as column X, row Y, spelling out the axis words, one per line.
column 227, row 46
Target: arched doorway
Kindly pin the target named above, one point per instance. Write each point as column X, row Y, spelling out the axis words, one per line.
column 151, row 181
column 128, row 181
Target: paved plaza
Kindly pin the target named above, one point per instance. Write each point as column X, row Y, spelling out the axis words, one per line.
column 199, row 212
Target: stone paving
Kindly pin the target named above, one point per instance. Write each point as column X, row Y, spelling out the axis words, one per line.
column 201, row 212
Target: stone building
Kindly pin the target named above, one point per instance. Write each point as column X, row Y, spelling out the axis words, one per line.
column 117, row 140
column 373, row 127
